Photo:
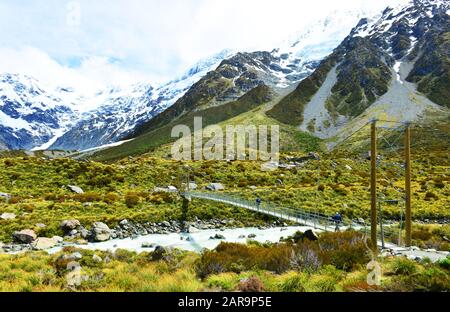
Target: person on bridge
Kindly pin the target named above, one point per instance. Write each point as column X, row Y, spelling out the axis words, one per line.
column 337, row 218
column 258, row 202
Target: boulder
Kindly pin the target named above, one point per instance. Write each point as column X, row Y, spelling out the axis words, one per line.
column 311, row 235
column 217, row 236
column 159, row 253
column 215, row 187
column 100, row 232
column 192, row 229
column 41, row 225
column 5, row 196
column 270, row 166
column 58, row 239
column 25, row 236
column 8, row 216
column 69, row 225
column 192, row 186
column 75, row 256
column 124, row 222
column 75, row 189
column 348, row 168
column 172, row 189
column 251, row 236
column 42, row 243
column 97, row 258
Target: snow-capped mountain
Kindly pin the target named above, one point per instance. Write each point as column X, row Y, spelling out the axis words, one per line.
column 394, row 64
column 121, row 110
column 34, row 116
column 283, row 67
column 125, row 111
column 30, row 114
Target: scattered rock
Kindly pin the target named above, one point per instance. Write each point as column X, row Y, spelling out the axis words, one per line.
column 100, row 232
column 42, row 243
column 269, row 166
column 241, row 236
column 75, row 256
column 314, row 156
column 84, row 233
column 58, row 239
column 41, row 225
column 217, row 236
column 147, row 245
column 251, row 235
column 309, row 234
column 97, row 258
column 69, row 225
column 5, row 196
column 172, row 189
column 124, row 222
column 215, row 187
column 76, row 189
column 25, row 236
column 8, row 216
column 192, row 186
column 348, row 168
column 192, row 229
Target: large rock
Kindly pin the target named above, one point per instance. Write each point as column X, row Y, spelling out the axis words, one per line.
column 310, row 235
column 25, row 236
column 69, row 225
column 100, row 232
column 5, row 196
column 218, row 236
column 75, row 189
column 159, row 253
column 215, row 187
column 42, row 243
column 192, row 229
column 8, row 216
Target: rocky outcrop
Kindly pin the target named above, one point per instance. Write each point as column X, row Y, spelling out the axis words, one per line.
column 69, row 225
column 25, row 236
column 42, row 243
column 100, row 232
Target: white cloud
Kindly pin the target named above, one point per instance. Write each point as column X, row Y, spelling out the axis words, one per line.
column 118, row 41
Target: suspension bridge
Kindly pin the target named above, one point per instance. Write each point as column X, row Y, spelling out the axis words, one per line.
column 309, row 218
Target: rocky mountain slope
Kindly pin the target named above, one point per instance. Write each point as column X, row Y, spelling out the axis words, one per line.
column 280, row 69
column 30, row 115
column 34, row 116
column 395, row 65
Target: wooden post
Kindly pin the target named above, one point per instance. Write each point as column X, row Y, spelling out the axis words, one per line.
column 373, row 186
column 408, row 217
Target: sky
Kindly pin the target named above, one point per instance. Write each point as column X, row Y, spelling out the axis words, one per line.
column 90, row 44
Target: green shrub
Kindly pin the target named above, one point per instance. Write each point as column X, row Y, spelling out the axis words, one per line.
column 132, row 199
column 403, row 266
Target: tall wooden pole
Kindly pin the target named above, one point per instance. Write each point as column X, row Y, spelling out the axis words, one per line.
column 373, row 186
column 408, row 217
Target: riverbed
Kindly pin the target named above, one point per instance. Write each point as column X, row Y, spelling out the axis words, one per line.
column 193, row 241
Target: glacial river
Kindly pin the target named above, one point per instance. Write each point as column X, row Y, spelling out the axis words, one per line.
column 194, row 241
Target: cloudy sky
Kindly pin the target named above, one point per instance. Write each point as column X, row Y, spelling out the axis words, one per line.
column 92, row 43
